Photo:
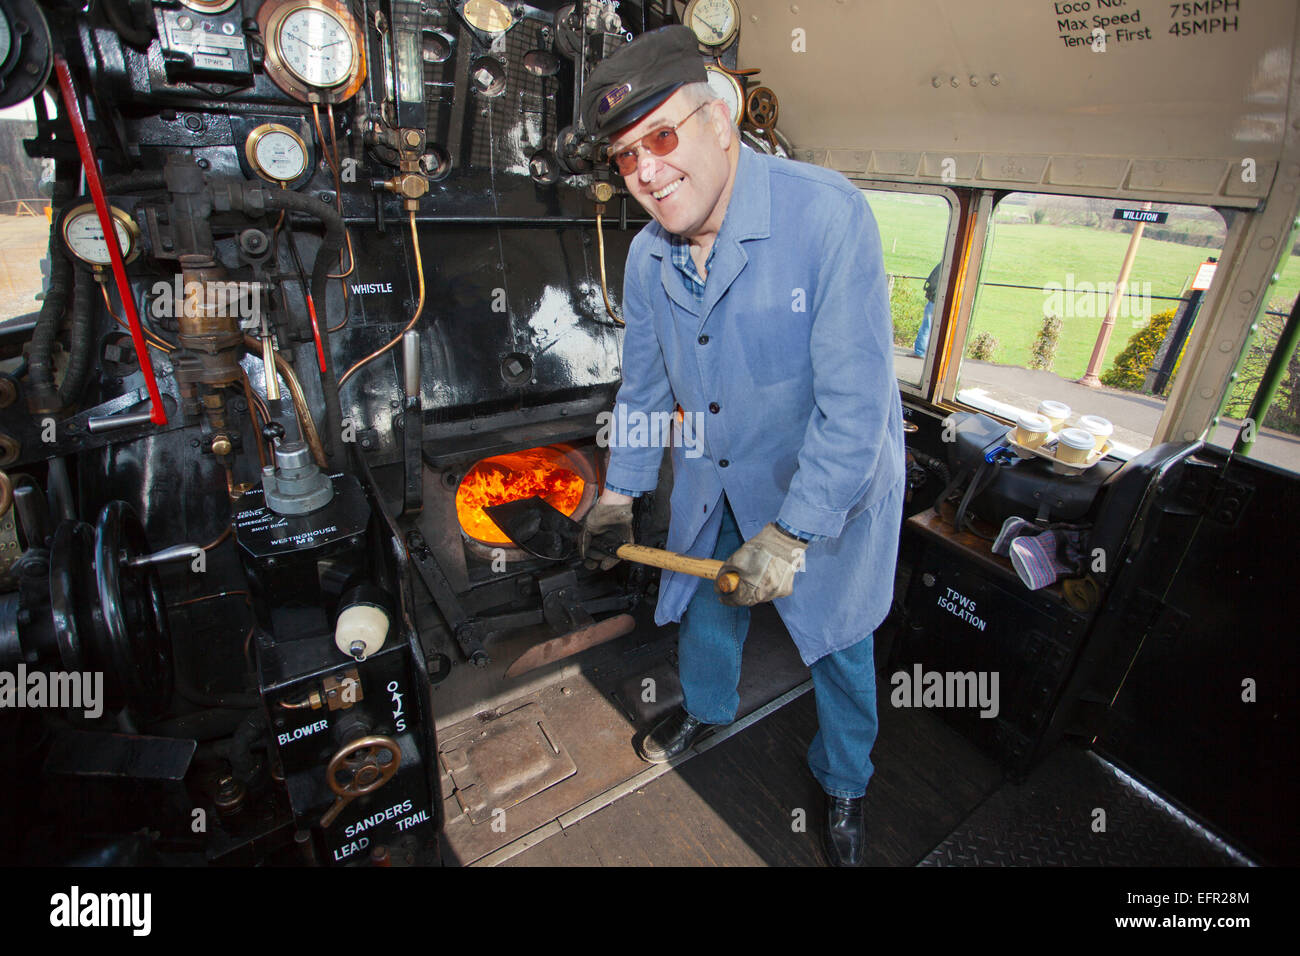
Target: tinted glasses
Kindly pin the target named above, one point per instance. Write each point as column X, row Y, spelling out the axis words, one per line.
column 659, row 142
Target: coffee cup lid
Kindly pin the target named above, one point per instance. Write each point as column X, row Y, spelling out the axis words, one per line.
column 1095, row 424
column 1077, row 438
column 1053, row 409
column 1031, row 422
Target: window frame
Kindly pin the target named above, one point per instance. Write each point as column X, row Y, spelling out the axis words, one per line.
column 918, row 389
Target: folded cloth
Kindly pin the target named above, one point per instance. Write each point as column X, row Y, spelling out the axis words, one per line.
column 1013, row 528
column 1041, row 559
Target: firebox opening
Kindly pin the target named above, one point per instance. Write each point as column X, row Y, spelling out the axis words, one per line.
column 561, row 474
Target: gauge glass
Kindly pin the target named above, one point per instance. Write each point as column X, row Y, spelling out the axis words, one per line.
column 85, row 237
column 316, row 47
column 490, row 16
column 277, row 153
column 714, row 22
column 726, row 88
column 6, row 37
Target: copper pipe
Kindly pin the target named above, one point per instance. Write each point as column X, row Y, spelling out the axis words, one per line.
column 216, row 541
column 604, row 286
column 252, row 413
column 212, row 597
column 419, row 308
column 332, row 162
column 309, row 433
column 150, row 337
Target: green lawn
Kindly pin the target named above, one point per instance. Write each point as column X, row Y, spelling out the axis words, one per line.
column 912, row 231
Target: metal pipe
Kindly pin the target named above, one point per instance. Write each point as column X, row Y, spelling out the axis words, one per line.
column 305, row 421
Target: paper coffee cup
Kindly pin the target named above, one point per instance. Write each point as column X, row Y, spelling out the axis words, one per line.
column 1074, row 445
column 1098, row 427
column 1054, row 412
column 1031, row 430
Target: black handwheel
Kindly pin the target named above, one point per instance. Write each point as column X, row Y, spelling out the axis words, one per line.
column 133, row 614
column 73, row 596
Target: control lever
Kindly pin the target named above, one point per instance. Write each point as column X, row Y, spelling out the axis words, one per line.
column 412, row 425
column 368, row 770
column 268, row 362
column 177, row 552
column 106, row 423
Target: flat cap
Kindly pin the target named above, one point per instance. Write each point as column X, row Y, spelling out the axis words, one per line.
column 638, row 77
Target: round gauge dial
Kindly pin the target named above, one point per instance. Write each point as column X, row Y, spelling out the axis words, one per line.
column 715, row 23
column 315, row 46
column 276, row 153
column 84, row 236
column 727, row 88
column 208, row 6
column 6, row 37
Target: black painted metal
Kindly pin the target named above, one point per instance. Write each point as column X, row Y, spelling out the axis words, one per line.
column 1209, row 681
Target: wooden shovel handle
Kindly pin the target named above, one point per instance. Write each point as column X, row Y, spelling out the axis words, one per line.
column 672, row 561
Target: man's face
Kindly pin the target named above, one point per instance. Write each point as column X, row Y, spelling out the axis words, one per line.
column 682, row 190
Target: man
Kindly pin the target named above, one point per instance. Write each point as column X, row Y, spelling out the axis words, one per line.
column 923, row 333
column 757, row 302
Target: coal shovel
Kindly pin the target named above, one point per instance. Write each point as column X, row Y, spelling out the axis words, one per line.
column 539, row 528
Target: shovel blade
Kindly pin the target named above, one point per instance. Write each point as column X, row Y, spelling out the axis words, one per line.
column 536, row 526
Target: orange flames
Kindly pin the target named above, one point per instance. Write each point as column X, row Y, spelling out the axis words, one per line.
column 540, row 472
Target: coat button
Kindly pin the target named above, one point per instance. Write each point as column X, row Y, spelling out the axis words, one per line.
column 704, row 340
column 715, row 407
column 724, row 463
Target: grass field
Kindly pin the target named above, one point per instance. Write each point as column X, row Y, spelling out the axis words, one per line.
column 912, row 231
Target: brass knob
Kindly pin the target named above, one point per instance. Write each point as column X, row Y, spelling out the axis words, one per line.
column 221, row 445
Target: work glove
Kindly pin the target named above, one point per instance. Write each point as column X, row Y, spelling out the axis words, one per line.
column 605, row 518
column 766, row 564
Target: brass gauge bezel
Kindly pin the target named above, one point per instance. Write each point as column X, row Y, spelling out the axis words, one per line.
column 270, row 18
column 260, row 133
column 119, row 215
column 714, row 43
column 483, row 15
column 734, row 83
column 208, row 6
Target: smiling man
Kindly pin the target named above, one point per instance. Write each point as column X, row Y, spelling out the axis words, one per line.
column 757, row 301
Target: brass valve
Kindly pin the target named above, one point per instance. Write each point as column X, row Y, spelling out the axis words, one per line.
column 408, row 185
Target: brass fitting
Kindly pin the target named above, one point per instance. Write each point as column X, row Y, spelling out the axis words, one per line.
column 408, row 185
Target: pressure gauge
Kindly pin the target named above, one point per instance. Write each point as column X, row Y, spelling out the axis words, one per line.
column 715, row 23
column 727, row 88
column 314, row 49
column 209, row 6
column 84, row 236
column 315, row 46
column 276, row 152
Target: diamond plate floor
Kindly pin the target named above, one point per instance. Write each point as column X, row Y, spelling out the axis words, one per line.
column 1052, row 819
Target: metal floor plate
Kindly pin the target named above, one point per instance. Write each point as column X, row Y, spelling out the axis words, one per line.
column 1055, row 818
column 505, row 761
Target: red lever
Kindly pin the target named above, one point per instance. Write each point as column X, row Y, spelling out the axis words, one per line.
column 315, row 331
column 70, row 103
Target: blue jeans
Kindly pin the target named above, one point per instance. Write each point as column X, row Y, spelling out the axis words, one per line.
column 710, row 642
column 923, row 334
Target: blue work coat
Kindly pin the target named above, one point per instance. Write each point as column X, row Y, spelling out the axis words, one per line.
column 793, row 345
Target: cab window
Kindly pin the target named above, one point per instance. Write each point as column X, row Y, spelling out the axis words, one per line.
column 1273, row 430
column 913, row 232
column 1087, row 302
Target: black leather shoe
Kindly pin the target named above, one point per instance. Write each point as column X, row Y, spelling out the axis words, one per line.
column 845, row 832
column 674, row 734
